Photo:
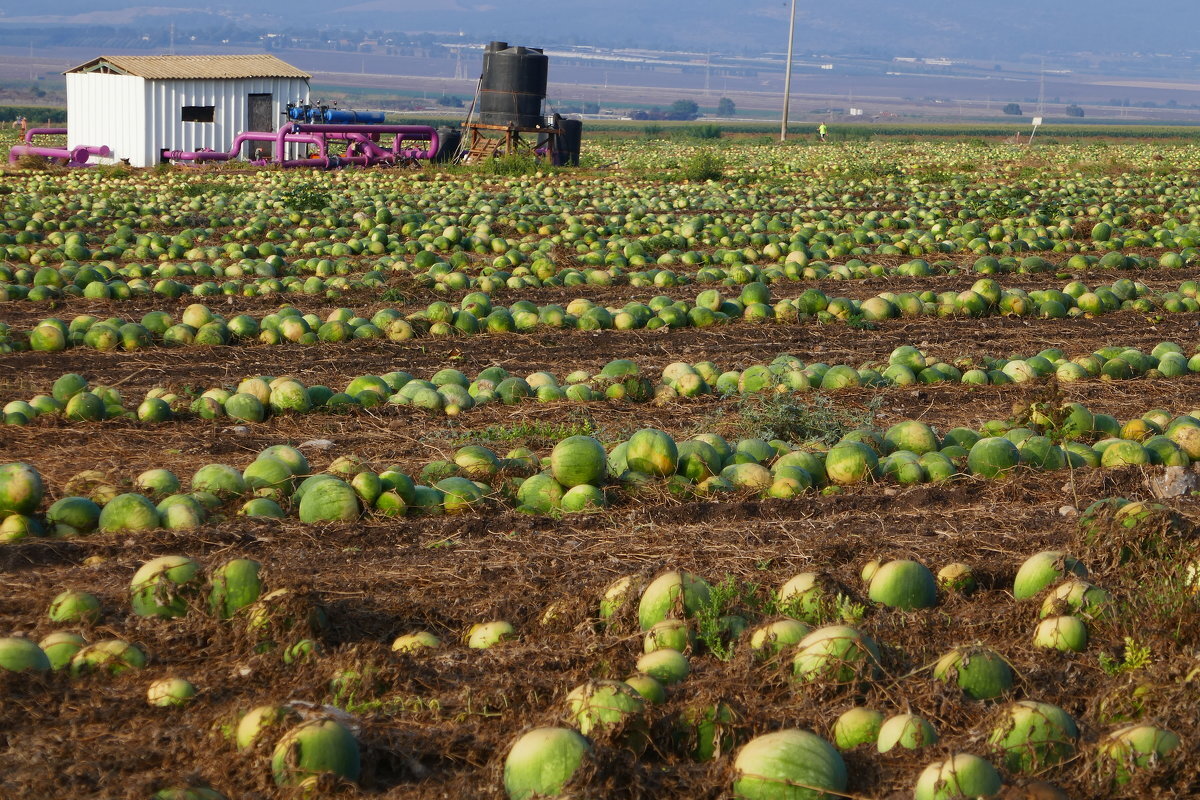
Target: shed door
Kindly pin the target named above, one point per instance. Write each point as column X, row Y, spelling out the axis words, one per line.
column 260, row 118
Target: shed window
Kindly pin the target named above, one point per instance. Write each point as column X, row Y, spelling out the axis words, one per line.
column 198, row 113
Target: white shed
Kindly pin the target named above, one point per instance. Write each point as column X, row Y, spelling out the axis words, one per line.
column 142, row 105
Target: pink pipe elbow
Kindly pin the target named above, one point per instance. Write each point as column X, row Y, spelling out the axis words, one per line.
column 32, row 132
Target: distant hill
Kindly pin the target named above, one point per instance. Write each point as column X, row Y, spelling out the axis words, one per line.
column 1005, row 29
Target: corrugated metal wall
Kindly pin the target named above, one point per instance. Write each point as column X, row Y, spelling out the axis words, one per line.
column 107, row 109
column 139, row 118
column 166, row 99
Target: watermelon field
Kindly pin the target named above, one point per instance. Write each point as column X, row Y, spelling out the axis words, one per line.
column 723, row 470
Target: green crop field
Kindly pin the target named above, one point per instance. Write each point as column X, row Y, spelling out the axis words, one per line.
column 712, row 468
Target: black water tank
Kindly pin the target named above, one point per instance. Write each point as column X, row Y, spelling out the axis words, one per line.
column 514, row 85
column 570, row 141
column 449, row 140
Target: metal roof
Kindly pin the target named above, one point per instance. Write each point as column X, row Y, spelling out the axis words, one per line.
column 193, row 67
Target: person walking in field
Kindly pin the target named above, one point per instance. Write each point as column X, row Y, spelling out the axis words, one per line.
column 821, row 131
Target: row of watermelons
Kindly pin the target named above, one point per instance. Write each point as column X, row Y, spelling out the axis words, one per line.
column 247, row 273
column 451, row 391
column 580, row 474
column 476, row 314
column 1029, row 737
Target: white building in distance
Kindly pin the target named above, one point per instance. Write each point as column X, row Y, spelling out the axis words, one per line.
column 142, row 105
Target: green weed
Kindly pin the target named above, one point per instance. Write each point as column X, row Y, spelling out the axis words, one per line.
column 304, row 198
column 705, row 165
column 513, row 164
column 531, row 431
column 212, row 187
column 712, row 626
column 786, row 417
column 1135, row 657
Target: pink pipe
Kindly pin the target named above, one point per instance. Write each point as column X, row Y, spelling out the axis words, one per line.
column 280, row 135
column 32, row 132
column 329, row 162
column 416, row 131
column 215, row 155
column 80, row 154
column 318, row 134
column 365, row 142
column 319, row 141
column 75, row 157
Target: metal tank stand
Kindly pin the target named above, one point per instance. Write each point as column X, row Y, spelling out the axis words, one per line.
column 493, row 141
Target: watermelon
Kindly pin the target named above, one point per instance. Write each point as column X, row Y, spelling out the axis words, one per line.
column 779, row 635
column 790, row 764
column 112, row 656
column 157, row 482
column 906, row 585
column 315, row 748
column 912, row 435
column 1067, row 633
column 245, row 407
column 993, row 457
column 981, row 673
column 858, row 726
column 672, row 595
column 235, row 585
column 959, row 777
column 329, row 500
column 21, row 655
column 71, row 516
column 60, row 647
column 850, row 463
column 72, row 606
column 543, row 761
column 484, row 635
column 541, row 492
column 1034, row 736
column 412, row 642
column 602, row 705
column 907, row 731
column 162, row 587
column 583, row 498
column 652, row 452
column 20, row 489
column 578, row 460
column 1042, row 569
column 129, row 512
column 219, row 479
column 170, row 692
column 836, row 653
column 666, row 666
column 1137, row 747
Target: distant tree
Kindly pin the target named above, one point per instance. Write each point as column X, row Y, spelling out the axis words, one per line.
column 1013, row 108
column 450, row 101
column 683, row 109
column 726, row 107
column 1073, row 111
column 591, row 108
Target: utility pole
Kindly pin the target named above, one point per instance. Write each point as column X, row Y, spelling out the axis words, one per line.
column 1042, row 90
column 787, row 78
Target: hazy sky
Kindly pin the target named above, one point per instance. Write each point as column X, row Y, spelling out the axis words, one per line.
column 957, row 28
